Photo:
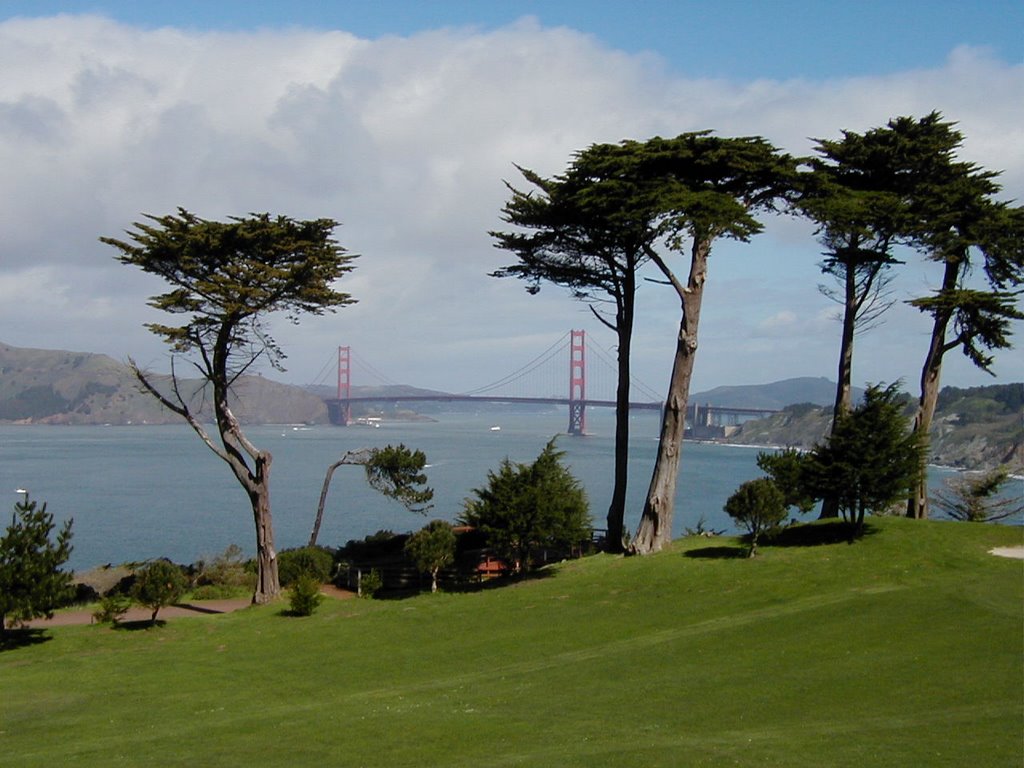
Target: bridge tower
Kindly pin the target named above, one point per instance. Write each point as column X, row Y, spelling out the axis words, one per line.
column 344, row 417
column 577, row 383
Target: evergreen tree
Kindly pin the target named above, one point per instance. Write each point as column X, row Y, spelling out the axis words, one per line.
column 226, row 278
column 525, row 507
column 870, row 459
column 32, row 583
column 757, row 505
column 158, row 584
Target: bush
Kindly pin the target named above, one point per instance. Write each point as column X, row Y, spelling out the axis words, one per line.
column 158, row 584
column 225, row 574
column 111, row 609
column 305, row 596
column 432, row 548
column 315, row 562
column 370, row 583
column 757, row 505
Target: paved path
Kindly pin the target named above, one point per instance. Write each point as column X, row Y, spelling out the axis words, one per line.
column 192, row 608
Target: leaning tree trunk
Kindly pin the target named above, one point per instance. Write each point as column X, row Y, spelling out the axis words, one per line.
column 931, row 371
column 655, row 529
column 615, row 541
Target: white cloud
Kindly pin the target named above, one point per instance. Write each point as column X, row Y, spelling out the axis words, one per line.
column 406, row 141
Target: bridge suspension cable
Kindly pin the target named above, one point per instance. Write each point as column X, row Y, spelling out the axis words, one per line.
column 521, row 372
column 613, row 365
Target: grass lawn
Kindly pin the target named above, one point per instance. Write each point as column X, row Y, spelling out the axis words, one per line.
column 903, row 649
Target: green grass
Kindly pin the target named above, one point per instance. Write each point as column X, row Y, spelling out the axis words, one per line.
column 904, row 648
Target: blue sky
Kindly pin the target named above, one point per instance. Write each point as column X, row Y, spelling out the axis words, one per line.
column 402, row 119
column 728, row 38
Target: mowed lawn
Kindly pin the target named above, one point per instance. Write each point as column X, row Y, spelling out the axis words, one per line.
column 903, row 649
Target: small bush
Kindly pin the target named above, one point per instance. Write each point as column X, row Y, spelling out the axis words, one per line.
column 228, row 569
column 370, row 583
column 158, row 584
column 305, row 596
column 757, row 505
column 316, row 562
column 111, row 609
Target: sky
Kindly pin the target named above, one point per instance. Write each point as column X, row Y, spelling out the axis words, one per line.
column 404, row 120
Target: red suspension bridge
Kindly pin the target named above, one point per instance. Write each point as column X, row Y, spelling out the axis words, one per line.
column 538, row 373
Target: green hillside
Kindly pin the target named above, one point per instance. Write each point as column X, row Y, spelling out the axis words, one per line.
column 903, row 649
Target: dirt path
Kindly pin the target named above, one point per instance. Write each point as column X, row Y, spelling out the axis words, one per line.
column 192, row 608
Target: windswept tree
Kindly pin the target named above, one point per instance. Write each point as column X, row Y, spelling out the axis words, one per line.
column 708, row 188
column 395, row 471
column 225, row 279
column 957, row 222
column 590, row 230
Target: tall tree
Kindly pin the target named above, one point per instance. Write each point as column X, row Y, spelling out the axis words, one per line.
column 708, row 188
column 227, row 277
column 590, row 230
column 957, row 221
column 32, row 582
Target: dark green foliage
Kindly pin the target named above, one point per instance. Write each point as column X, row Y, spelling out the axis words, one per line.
column 1001, row 398
column 870, row 459
column 32, row 583
column 158, row 584
column 978, row 498
column 528, row 506
column 432, row 548
column 316, row 562
column 758, row 506
column 397, row 472
column 787, row 469
column 304, row 597
column 111, row 609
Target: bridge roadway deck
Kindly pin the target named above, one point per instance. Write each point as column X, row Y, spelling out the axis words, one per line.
column 444, row 398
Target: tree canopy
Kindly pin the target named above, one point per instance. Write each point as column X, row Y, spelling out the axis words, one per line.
column 32, row 582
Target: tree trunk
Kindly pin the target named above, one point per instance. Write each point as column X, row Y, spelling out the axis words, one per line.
column 433, row 580
column 655, row 529
column 931, row 371
column 615, row 541
column 268, row 585
column 844, row 393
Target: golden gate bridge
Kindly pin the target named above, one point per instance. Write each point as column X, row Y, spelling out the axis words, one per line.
column 580, row 373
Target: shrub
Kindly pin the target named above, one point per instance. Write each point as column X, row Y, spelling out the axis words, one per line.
column 158, row 584
column 228, row 571
column 316, row 562
column 304, row 596
column 370, row 583
column 757, row 505
column 111, row 609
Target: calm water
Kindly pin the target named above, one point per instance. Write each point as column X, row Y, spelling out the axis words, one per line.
column 141, row 492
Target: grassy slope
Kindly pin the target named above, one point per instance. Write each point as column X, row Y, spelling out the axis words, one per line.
column 903, row 649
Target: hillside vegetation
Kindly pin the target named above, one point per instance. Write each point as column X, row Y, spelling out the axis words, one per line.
column 904, row 648
column 56, row 387
column 974, row 428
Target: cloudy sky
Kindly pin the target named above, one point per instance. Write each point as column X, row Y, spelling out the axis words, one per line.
column 402, row 120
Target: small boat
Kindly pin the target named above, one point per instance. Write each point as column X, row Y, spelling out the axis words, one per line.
column 495, row 429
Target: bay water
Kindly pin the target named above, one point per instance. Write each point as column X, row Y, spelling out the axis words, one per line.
column 140, row 492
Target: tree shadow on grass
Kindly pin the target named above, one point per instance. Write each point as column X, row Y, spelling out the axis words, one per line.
column 819, row 533
column 717, row 553
column 23, row 637
column 136, row 626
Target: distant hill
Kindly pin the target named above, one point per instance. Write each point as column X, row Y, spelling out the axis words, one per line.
column 974, row 428
column 775, row 395
column 58, row 387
